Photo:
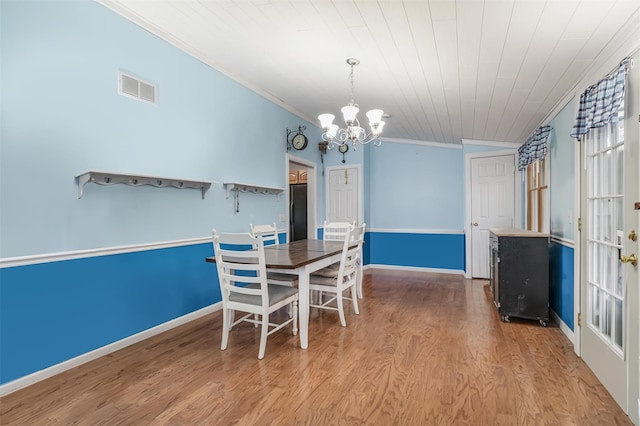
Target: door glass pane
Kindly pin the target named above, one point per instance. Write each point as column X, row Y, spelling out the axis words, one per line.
column 596, row 174
column 595, row 263
column 618, row 278
column 606, row 268
column 617, row 223
column 607, row 224
column 595, row 306
column 595, row 219
column 617, row 338
column 605, row 177
column 618, row 180
column 606, row 315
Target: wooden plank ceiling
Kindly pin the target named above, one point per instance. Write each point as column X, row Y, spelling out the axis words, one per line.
column 443, row 70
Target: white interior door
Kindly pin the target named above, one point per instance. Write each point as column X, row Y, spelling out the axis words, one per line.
column 608, row 280
column 343, row 195
column 492, row 205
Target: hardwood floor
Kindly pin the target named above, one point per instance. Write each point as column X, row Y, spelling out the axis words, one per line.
column 426, row 349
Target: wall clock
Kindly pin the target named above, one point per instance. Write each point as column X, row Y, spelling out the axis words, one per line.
column 343, row 148
column 298, row 141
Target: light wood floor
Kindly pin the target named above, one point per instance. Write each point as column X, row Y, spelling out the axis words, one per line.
column 426, row 349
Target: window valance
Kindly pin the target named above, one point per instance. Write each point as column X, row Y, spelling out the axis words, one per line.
column 534, row 148
column 600, row 102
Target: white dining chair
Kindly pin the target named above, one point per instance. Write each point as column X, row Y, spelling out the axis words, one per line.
column 242, row 275
column 336, row 232
column 337, row 281
column 270, row 236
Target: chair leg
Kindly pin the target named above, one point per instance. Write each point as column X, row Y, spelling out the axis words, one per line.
column 359, row 280
column 343, row 322
column 230, row 318
column 225, row 329
column 354, row 298
column 256, row 317
column 263, row 334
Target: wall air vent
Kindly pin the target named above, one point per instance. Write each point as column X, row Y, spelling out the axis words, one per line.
column 136, row 88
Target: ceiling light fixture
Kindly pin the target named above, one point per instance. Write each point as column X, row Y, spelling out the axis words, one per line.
column 353, row 133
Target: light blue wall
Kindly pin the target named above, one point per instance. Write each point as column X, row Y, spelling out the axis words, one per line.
column 561, row 180
column 62, row 115
column 416, row 187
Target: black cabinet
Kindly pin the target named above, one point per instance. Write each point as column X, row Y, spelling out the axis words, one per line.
column 519, row 277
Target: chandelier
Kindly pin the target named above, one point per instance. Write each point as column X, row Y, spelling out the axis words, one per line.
column 353, row 132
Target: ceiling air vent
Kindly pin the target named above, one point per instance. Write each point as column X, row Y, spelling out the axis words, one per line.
column 135, row 88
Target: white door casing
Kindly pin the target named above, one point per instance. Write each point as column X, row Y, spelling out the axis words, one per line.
column 491, row 204
column 344, row 194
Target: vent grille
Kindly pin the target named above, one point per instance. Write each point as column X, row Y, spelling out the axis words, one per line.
column 135, row 88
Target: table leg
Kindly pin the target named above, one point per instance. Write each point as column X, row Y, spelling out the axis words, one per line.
column 303, row 308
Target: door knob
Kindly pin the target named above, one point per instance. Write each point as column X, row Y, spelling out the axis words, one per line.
column 632, row 259
column 475, row 223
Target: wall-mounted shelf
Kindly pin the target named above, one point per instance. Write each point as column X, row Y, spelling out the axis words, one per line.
column 256, row 189
column 112, row 178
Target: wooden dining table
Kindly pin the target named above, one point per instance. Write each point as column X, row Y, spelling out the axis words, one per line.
column 302, row 257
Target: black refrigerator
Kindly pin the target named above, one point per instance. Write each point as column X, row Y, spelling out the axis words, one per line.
column 298, row 212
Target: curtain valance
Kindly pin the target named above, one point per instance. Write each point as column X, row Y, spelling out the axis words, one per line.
column 534, row 148
column 600, row 102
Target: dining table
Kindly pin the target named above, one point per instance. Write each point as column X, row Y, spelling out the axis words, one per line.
column 302, row 257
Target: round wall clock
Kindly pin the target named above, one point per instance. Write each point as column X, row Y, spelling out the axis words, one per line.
column 343, row 148
column 299, row 141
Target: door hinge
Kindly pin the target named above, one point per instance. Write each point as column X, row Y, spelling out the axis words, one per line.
column 579, row 224
column 579, row 319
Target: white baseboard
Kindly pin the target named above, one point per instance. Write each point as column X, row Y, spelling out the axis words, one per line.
column 564, row 327
column 38, row 376
column 414, row 269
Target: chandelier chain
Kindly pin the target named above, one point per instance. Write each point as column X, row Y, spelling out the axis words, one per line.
column 353, row 102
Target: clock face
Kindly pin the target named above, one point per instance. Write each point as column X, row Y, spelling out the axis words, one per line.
column 299, row 141
column 343, row 148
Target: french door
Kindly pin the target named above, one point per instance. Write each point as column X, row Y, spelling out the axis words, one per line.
column 609, row 280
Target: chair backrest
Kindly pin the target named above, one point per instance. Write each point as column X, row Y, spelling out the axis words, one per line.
column 240, row 260
column 357, row 235
column 336, row 231
column 350, row 255
column 269, row 233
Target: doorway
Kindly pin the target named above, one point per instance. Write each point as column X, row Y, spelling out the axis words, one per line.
column 301, row 198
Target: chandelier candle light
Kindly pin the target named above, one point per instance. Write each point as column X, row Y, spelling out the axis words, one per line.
column 353, row 133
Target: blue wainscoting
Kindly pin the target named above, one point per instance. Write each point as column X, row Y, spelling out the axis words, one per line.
column 421, row 250
column 561, row 281
column 52, row 312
